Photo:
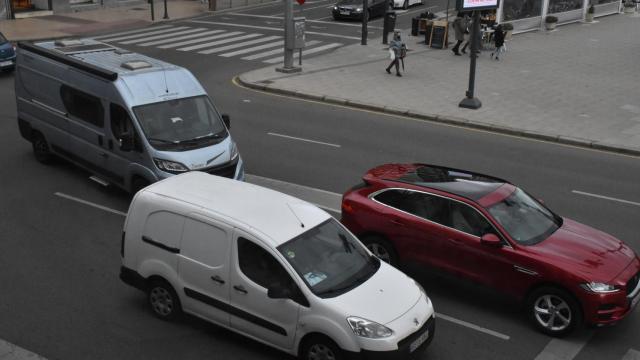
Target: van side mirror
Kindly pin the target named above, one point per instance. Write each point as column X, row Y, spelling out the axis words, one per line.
column 126, row 142
column 227, row 121
column 491, row 240
column 277, row 291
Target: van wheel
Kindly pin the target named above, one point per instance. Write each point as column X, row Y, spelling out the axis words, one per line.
column 41, row 148
column 321, row 348
column 163, row 300
column 381, row 248
column 554, row 311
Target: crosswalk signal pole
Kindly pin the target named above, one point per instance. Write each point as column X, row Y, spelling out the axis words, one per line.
column 289, row 39
column 153, row 18
column 166, row 14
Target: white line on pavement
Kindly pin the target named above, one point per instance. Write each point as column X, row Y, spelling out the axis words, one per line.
column 309, row 20
column 278, row 51
column 255, row 48
column 132, row 31
column 565, row 349
column 304, row 52
column 632, row 355
column 241, row 44
column 162, row 36
column 219, row 42
column 271, row 28
column 473, row 326
column 97, row 206
column 326, row 6
column 302, row 139
column 155, row 32
column 190, row 36
column 198, row 40
column 605, row 197
column 9, row 351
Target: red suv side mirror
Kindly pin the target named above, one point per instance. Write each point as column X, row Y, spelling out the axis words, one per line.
column 491, row 240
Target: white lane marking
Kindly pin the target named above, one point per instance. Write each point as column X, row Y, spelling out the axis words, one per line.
column 326, row 6
column 271, row 28
column 564, row 349
column 145, row 34
column 9, row 351
column 214, row 43
column 238, row 45
column 303, row 139
column 277, row 51
column 631, row 355
column 97, row 206
column 132, row 31
column 255, row 48
column 163, row 36
column 319, row 21
column 473, row 326
column 256, row 16
column 308, row 20
column 305, row 52
column 605, row 197
column 190, row 36
column 194, row 41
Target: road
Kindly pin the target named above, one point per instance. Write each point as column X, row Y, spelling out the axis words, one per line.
column 62, row 298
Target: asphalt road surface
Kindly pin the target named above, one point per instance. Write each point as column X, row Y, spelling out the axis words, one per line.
column 60, row 232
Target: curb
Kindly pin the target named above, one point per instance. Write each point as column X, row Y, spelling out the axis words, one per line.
column 450, row 120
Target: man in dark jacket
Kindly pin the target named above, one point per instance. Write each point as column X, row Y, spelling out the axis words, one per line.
column 460, row 27
column 498, row 38
column 395, row 46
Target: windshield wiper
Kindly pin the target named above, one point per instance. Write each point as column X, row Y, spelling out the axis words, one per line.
column 164, row 141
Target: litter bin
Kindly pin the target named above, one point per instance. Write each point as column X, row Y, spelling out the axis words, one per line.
column 389, row 25
column 415, row 26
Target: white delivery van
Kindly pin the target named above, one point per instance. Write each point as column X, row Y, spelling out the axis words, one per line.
column 269, row 266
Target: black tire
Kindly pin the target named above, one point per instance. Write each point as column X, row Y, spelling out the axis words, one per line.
column 163, row 300
column 405, row 5
column 320, row 348
column 41, row 148
column 382, row 248
column 553, row 311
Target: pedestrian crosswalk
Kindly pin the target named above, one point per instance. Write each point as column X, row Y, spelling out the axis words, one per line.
column 246, row 45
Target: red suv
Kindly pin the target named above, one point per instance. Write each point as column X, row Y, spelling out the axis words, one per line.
column 492, row 232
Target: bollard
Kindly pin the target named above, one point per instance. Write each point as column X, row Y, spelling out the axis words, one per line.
column 388, row 26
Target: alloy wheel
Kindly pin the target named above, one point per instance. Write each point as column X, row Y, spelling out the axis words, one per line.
column 552, row 312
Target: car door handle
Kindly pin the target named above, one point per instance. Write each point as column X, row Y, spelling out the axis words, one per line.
column 217, row 279
column 397, row 222
column 240, row 288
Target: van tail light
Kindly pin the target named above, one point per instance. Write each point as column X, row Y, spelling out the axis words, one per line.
column 347, row 207
column 122, row 245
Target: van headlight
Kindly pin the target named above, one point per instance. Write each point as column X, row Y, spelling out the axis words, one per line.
column 368, row 329
column 335, row 7
column 170, row 166
column 359, row 10
column 233, row 150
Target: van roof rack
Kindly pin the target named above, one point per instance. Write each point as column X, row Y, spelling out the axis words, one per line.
column 136, row 65
column 68, row 42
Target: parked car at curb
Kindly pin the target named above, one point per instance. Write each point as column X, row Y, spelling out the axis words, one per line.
column 492, row 232
column 352, row 9
column 127, row 118
column 7, row 54
column 272, row 267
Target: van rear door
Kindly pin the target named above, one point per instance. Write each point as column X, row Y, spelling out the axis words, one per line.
column 203, row 267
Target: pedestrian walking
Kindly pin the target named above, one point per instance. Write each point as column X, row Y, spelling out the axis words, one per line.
column 397, row 50
column 498, row 38
column 460, row 25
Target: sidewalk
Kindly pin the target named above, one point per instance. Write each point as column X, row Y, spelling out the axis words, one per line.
column 95, row 21
column 577, row 85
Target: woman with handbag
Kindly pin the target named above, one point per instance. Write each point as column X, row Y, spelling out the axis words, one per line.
column 395, row 53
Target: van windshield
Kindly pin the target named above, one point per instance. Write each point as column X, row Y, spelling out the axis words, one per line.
column 181, row 124
column 329, row 259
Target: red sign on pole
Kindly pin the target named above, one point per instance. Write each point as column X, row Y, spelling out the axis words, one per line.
column 300, row 2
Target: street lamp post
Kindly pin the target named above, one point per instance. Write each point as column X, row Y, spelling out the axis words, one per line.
column 153, row 16
column 365, row 19
column 166, row 14
column 470, row 101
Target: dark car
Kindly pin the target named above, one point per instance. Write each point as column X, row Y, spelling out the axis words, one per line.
column 352, row 9
column 492, row 232
column 7, row 54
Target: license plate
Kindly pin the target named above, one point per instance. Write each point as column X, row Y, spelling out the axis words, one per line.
column 419, row 341
column 344, row 12
column 6, row 63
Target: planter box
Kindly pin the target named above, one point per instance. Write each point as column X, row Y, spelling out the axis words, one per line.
column 550, row 26
column 629, row 9
column 588, row 17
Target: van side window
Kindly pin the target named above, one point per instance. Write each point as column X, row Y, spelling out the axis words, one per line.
column 261, row 267
column 205, row 243
column 122, row 125
column 83, row 106
column 164, row 228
